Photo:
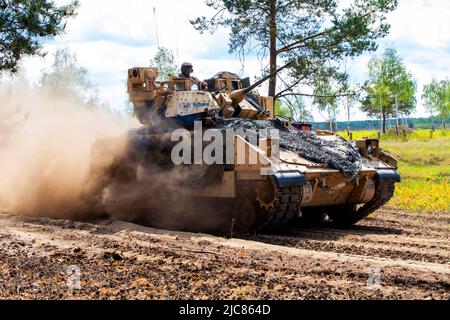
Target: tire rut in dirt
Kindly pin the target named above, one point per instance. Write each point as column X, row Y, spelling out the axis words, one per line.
column 382, row 235
column 361, row 237
column 365, row 250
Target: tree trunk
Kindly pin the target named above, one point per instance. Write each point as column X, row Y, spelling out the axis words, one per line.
column 383, row 120
column 382, row 128
column 330, row 119
column 273, row 48
column 348, row 116
column 432, row 121
column 397, row 131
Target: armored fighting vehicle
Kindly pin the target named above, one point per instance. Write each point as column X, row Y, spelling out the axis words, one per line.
column 284, row 174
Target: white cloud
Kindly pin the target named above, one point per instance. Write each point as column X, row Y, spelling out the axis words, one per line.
column 111, row 36
column 421, row 22
column 420, row 32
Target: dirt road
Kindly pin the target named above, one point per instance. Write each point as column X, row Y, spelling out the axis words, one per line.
column 391, row 255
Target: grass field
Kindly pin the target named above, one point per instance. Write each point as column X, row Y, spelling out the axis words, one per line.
column 414, row 135
column 424, row 164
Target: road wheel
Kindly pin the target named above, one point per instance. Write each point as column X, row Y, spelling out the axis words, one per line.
column 349, row 214
column 245, row 216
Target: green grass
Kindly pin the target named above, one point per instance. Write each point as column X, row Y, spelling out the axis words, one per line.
column 408, row 135
column 424, row 165
column 425, row 170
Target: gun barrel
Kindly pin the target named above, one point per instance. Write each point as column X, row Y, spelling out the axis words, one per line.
column 259, row 82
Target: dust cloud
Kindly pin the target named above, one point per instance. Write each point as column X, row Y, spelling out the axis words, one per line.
column 45, row 146
column 163, row 199
column 60, row 159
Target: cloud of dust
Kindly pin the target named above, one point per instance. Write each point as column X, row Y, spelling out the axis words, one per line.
column 45, row 146
column 163, row 199
column 59, row 159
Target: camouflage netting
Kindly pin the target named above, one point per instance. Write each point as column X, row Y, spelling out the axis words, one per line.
column 340, row 155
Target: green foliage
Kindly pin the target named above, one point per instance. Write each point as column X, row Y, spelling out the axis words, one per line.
column 67, row 78
column 377, row 101
column 282, row 111
column 324, row 97
column 165, row 62
column 357, row 125
column 297, row 109
column 350, row 100
column 25, row 24
column 390, row 88
column 308, row 33
column 436, row 96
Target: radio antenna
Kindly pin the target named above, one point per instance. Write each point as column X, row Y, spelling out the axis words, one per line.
column 156, row 27
column 176, row 42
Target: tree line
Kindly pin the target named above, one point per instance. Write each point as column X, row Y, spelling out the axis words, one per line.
column 315, row 37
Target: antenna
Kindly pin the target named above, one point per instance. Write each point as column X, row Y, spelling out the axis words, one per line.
column 176, row 43
column 156, row 27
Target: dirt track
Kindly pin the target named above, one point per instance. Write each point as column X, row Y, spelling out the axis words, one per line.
column 391, row 255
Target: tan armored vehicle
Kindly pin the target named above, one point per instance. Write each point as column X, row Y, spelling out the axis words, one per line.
column 284, row 173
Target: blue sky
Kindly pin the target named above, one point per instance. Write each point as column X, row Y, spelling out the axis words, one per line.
column 110, row 36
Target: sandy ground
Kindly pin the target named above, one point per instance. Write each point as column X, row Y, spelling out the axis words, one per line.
column 390, row 255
